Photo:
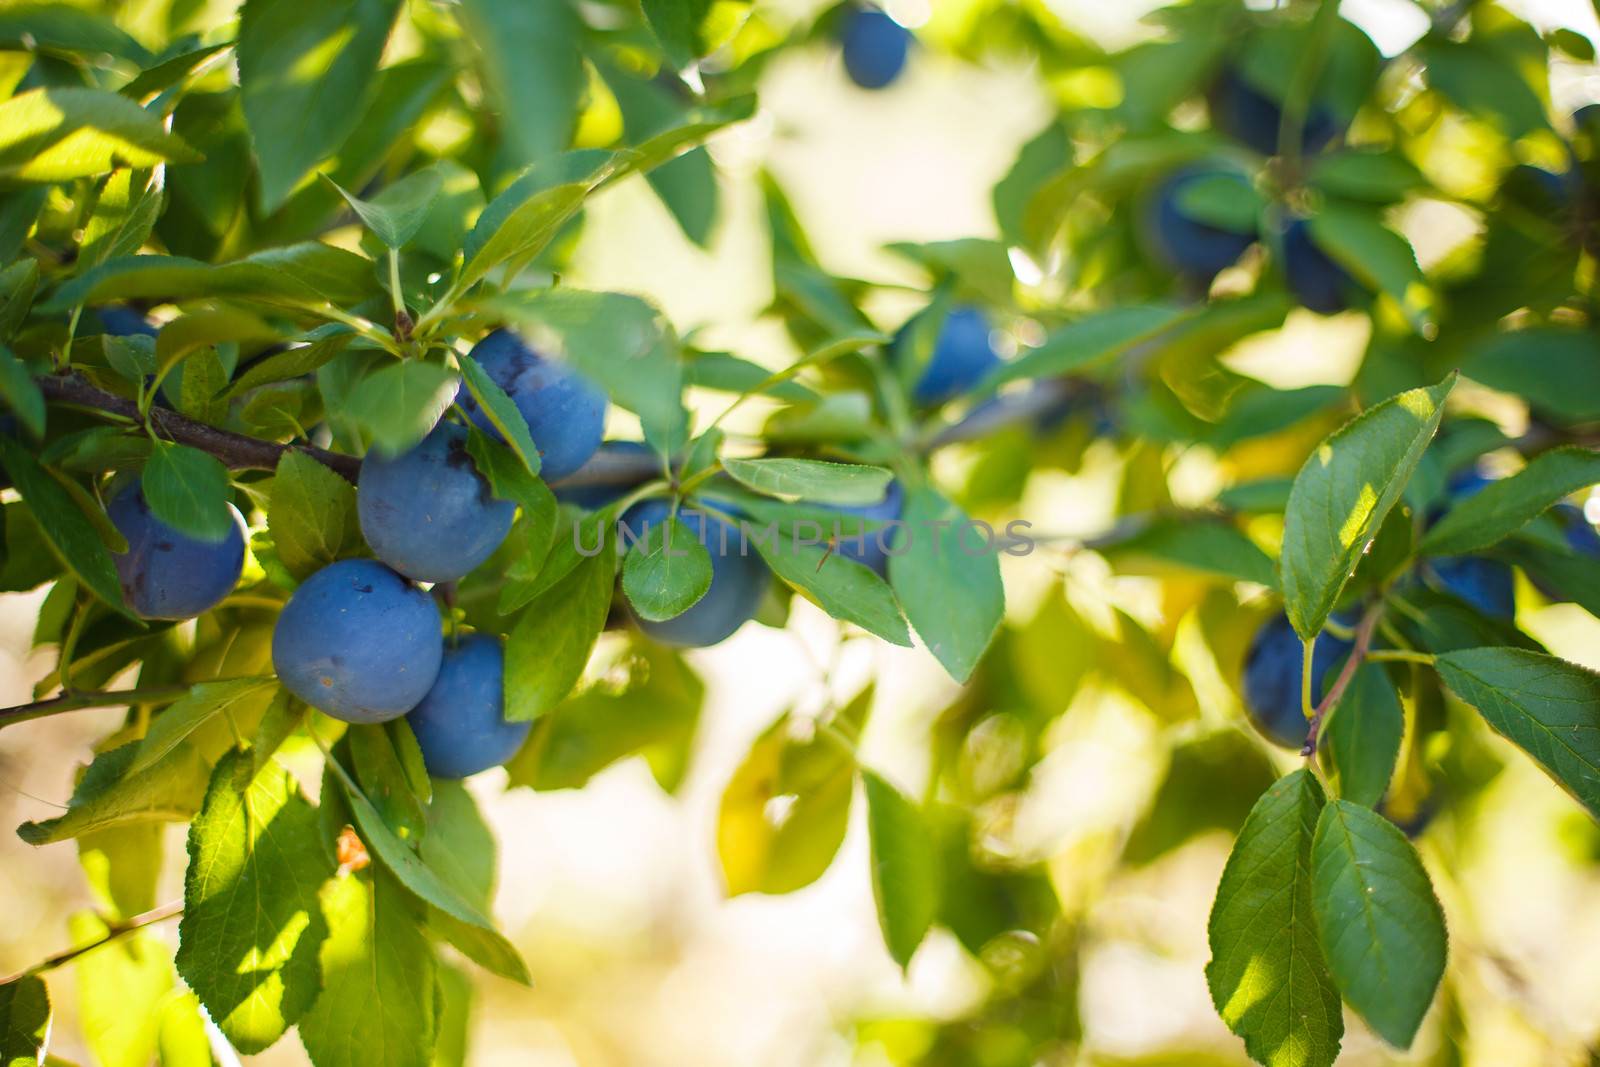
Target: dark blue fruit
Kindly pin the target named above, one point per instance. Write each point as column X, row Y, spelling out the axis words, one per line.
column 460, row 725
column 1485, row 584
column 962, row 355
column 359, row 642
column 166, row 574
column 119, row 320
column 1273, row 670
column 1250, row 116
column 1315, row 279
column 875, row 47
column 1183, row 244
column 1581, row 535
column 855, row 540
column 595, row 497
column 428, row 513
column 738, row 578
column 565, row 412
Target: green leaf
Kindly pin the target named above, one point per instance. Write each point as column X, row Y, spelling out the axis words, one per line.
column 812, row 479
column 303, row 73
column 1503, row 507
column 1267, row 975
column 1191, row 544
column 200, row 388
column 691, row 29
column 376, row 763
column 471, row 931
column 547, row 649
column 1552, row 367
column 1342, row 495
column 308, row 274
column 311, row 513
column 1483, row 83
column 24, row 1021
column 378, row 978
column 123, row 867
column 66, row 528
column 522, row 220
column 189, row 490
column 121, row 987
column 1362, row 738
column 203, row 702
column 21, row 393
column 17, row 285
column 686, row 185
column 786, row 808
column 532, row 60
column 1093, row 339
column 1380, row 177
column 293, row 363
column 1377, row 257
column 399, row 210
column 124, row 214
column 251, row 928
column 845, row 589
column 1379, row 922
column 905, row 868
column 1221, row 200
column 502, row 412
column 109, row 796
column 667, row 573
column 400, row 402
column 509, row 479
column 60, row 29
column 1546, row 706
column 949, row 588
column 620, row 342
column 459, row 845
column 58, row 134
column 729, row 374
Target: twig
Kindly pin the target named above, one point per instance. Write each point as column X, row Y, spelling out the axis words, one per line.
column 114, row 698
column 113, row 931
column 1363, row 641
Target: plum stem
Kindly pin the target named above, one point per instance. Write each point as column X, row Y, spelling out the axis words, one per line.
column 1358, row 653
column 1399, row 655
column 113, row 698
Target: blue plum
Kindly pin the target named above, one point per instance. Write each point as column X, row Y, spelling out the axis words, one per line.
column 738, row 578
column 875, row 47
column 428, row 513
column 359, row 642
column 1195, row 249
column 1250, row 116
column 1315, row 279
column 1485, row 584
column 565, row 412
column 120, row 320
column 460, row 725
column 1580, row 533
column 595, row 497
column 1273, row 670
column 962, row 355
column 166, row 574
column 865, row 545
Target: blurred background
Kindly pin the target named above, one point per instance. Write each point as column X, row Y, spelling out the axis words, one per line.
column 614, row 891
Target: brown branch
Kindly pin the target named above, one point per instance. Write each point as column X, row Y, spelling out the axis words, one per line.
column 113, row 931
column 1358, row 652
column 237, row 450
column 114, row 698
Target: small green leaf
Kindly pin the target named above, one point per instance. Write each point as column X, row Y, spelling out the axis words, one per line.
column 308, row 274
column 532, row 60
column 204, row 701
column 667, row 573
column 1093, row 339
column 399, row 210
column 509, row 480
column 121, row 987
column 1546, row 706
column 189, row 490
column 1552, row 367
column 1191, row 544
column 1378, row 920
column 109, row 796
column 905, row 868
column 1221, row 200
column 58, row 134
column 845, row 589
column 251, row 928
column 1503, row 507
column 294, row 363
column 378, row 990
column 501, row 411
column 1380, row 177
column 400, row 402
column 21, row 393
column 124, row 214
column 812, row 479
column 18, row 283
column 1362, row 738
column 1268, row 978
column 691, row 29
column 123, row 867
column 459, row 845
column 382, row 777
column 947, row 582
column 311, row 513
column 66, row 528
column 547, row 649
column 24, row 1021
column 1377, row 257
column 1342, row 495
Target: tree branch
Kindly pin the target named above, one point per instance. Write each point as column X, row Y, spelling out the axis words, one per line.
column 115, row 698
column 1363, row 641
column 113, row 931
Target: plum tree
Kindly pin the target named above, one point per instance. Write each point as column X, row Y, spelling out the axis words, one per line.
column 858, row 541
column 359, row 642
column 962, row 354
column 1274, row 670
column 1251, row 117
column 739, row 577
column 1197, row 250
column 1316, row 280
column 874, row 47
column 460, row 724
column 167, row 574
column 428, row 512
column 565, row 412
